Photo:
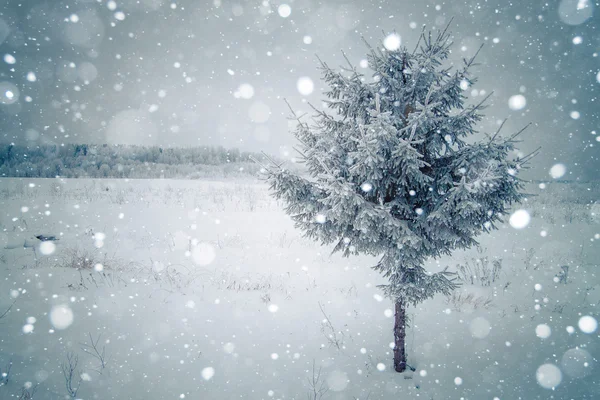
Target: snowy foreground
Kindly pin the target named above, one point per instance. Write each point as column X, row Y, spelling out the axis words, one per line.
column 204, row 290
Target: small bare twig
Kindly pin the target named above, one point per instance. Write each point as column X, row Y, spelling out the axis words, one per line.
column 316, row 384
column 94, row 350
column 330, row 332
column 28, row 391
column 69, row 370
column 8, row 309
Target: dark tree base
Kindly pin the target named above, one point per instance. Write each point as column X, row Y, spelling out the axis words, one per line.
column 399, row 337
column 400, row 367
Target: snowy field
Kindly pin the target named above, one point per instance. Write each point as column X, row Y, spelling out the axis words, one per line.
column 204, row 290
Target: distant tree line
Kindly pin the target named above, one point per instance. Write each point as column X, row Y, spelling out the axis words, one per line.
column 120, row 161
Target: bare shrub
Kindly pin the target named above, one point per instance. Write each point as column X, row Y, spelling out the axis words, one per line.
column 94, row 270
column 350, row 291
column 28, row 391
column 283, row 241
column 265, row 298
column 76, row 258
column 93, row 349
column 460, row 301
column 528, row 260
column 97, row 279
column 479, row 271
column 316, row 384
column 118, row 197
column 230, row 241
column 248, row 283
column 571, row 201
column 56, row 190
column 72, row 377
column 85, row 260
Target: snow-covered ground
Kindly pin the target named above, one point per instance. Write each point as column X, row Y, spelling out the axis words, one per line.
column 204, row 290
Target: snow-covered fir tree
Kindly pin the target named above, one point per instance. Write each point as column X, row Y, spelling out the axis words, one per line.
column 395, row 170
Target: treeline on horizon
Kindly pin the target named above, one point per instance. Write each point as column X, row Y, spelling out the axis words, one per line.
column 125, row 161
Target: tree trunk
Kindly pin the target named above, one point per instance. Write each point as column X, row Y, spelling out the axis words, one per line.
column 399, row 336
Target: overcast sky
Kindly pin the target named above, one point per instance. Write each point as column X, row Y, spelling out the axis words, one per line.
column 197, row 72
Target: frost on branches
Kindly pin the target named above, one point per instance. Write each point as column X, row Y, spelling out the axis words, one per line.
column 392, row 173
